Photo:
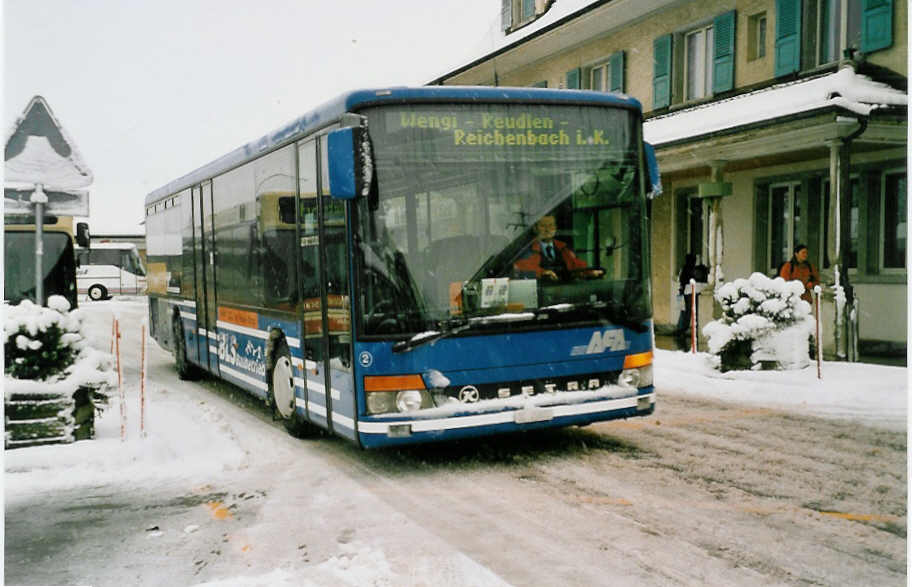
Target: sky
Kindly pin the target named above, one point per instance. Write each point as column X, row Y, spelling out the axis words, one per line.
column 149, row 91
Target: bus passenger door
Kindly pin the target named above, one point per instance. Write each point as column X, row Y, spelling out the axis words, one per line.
column 325, row 301
column 310, row 311
column 204, row 236
column 336, row 266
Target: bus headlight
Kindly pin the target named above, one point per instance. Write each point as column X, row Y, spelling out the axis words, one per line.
column 380, row 402
column 636, row 378
column 408, row 401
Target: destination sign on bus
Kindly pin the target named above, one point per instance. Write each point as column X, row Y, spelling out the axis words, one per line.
column 474, row 128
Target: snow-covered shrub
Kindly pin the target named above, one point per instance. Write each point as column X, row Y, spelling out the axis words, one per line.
column 54, row 382
column 41, row 342
column 764, row 321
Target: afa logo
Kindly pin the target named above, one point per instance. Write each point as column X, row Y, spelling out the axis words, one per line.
column 609, row 340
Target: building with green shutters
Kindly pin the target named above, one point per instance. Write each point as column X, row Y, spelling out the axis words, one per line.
column 775, row 122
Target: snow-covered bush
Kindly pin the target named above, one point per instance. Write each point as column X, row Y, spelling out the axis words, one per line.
column 764, row 322
column 54, row 382
column 41, row 342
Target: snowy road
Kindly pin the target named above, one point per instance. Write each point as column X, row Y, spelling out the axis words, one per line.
column 702, row 492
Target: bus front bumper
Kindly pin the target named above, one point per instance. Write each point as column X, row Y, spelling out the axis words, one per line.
column 500, row 417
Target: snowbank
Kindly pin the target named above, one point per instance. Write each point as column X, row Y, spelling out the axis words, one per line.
column 874, row 395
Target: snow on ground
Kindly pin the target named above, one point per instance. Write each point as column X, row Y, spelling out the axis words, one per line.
column 875, row 395
column 187, row 438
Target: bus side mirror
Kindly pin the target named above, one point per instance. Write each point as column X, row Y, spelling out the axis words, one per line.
column 82, row 234
column 350, row 163
column 655, row 180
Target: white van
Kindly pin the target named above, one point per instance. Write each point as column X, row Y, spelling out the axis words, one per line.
column 110, row 268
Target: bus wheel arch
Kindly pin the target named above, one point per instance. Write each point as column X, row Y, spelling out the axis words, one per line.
column 98, row 292
column 185, row 370
column 281, row 396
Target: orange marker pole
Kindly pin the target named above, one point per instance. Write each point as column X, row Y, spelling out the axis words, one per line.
column 120, row 390
column 142, row 383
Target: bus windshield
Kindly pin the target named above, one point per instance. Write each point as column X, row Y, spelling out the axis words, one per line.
column 58, row 266
column 505, row 216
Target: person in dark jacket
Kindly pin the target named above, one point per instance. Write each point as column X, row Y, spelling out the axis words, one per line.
column 799, row 268
column 689, row 271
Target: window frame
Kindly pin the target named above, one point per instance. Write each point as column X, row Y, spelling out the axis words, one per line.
column 707, row 33
column 757, row 36
column 881, row 223
column 794, row 186
column 843, row 42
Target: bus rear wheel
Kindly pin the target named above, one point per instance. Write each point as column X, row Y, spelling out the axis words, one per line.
column 185, row 370
column 98, row 292
column 282, row 392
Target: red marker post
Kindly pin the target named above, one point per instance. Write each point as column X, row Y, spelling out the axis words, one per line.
column 142, row 383
column 120, row 389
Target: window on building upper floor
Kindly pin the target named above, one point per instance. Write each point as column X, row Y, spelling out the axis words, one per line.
column 607, row 75
column 756, row 36
column 695, row 63
column 517, row 13
column 698, row 65
column 834, row 26
column 838, row 28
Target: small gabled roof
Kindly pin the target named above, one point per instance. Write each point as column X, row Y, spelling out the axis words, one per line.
column 39, row 150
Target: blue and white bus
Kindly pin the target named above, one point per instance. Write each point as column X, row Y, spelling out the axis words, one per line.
column 366, row 269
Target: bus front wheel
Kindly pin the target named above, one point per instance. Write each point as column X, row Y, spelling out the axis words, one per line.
column 282, row 392
column 98, row 292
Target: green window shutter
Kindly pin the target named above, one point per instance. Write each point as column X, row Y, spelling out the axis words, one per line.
column 506, row 14
column 876, row 25
column 573, row 79
column 616, row 64
column 788, row 36
column 724, row 52
column 661, row 75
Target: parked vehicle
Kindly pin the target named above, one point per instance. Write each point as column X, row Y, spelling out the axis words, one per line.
column 109, row 268
column 59, row 263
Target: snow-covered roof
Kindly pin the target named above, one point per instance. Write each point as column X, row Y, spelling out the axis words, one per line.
column 39, row 150
column 845, row 88
column 495, row 38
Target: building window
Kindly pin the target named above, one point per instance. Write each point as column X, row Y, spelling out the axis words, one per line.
column 698, row 59
column 854, row 218
column 608, row 75
column 838, row 28
column 894, row 226
column 528, row 9
column 784, row 217
column 598, row 77
column 698, row 227
column 756, row 36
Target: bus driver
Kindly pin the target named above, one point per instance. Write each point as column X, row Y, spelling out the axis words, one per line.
column 550, row 259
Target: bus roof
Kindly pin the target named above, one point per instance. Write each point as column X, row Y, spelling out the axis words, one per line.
column 357, row 99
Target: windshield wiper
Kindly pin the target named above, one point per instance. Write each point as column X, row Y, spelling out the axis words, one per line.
column 617, row 313
column 448, row 328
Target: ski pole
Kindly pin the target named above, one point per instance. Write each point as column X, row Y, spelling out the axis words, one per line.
column 142, row 383
column 817, row 327
column 693, row 315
